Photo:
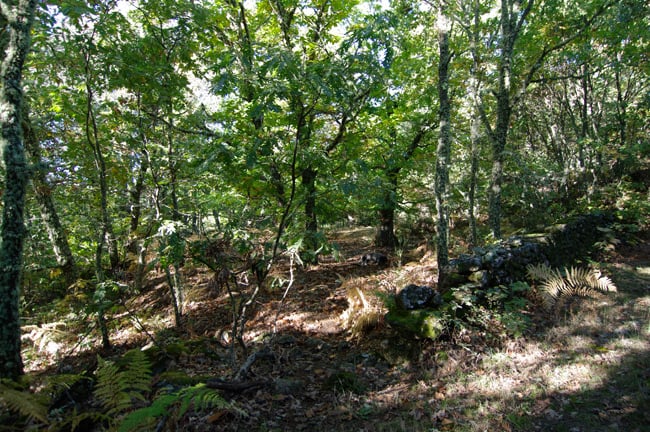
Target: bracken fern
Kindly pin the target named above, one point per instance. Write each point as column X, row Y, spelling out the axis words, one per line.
column 362, row 314
column 574, row 281
column 32, row 406
column 119, row 388
column 175, row 405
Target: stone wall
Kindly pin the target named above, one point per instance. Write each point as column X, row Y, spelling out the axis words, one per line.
column 504, row 263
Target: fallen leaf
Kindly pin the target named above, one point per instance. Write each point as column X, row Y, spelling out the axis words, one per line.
column 216, row 416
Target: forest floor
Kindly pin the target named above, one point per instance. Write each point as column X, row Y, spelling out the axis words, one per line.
column 583, row 367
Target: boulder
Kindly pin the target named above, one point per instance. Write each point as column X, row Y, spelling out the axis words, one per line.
column 423, row 323
column 413, row 297
column 374, row 258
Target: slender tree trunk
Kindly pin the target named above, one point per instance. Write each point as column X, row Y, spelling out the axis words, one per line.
column 503, row 111
column 141, row 164
column 443, row 152
column 173, row 171
column 621, row 106
column 43, row 192
column 92, row 137
column 135, row 196
column 16, row 19
column 105, row 235
column 511, row 21
column 385, row 237
column 475, row 128
column 311, row 221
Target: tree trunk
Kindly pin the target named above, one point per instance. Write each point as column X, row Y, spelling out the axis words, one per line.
column 311, row 221
column 385, row 237
column 135, row 207
column 511, row 21
column 141, row 164
column 443, row 152
column 173, row 171
column 475, row 127
column 92, row 137
column 43, row 192
column 14, row 39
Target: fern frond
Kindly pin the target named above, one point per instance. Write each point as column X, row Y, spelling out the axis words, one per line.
column 540, row 272
column 143, row 418
column 200, row 397
column 575, row 281
column 362, row 314
column 56, row 384
column 32, row 406
column 137, row 370
column 111, row 388
column 203, row 398
column 117, row 388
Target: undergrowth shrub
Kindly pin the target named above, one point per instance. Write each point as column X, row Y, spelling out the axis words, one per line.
column 122, row 392
column 495, row 313
column 364, row 312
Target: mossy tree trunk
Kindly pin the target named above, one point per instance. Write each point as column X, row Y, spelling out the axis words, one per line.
column 513, row 18
column 16, row 18
column 385, row 237
column 475, row 128
column 43, row 192
column 443, row 152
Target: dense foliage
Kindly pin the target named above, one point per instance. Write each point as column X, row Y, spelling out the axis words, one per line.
column 159, row 129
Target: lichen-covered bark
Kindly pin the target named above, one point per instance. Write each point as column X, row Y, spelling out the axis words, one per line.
column 385, row 237
column 513, row 16
column 43, row 193
column 16, row 18
column 443, row 152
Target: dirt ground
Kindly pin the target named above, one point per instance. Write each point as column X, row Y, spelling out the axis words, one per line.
column 583, row 367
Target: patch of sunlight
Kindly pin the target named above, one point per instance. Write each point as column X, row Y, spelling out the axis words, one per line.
column 642, row 304
column 494, row 385
column 632, row 344
column 578, row 343
column 499, row 361
column 533, row 354
column 311, row 322
column 357, row 233
column 571, row 377
column 643, row 271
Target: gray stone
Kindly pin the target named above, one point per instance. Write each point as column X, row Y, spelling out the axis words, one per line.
column 374, row 258
column 417, row 297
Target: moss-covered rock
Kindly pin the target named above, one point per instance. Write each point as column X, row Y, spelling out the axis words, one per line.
column 506, row 262
column 424, row 323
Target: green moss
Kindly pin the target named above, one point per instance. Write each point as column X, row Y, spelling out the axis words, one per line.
column 180, row 378
column 177, row 349
column 425, row 323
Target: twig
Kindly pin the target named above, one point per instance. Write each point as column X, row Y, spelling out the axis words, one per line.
column 244, row 369
column 235, row 386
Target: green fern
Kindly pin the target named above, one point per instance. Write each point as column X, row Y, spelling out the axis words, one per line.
column 199, row 396
column 143, row 418
column 571, row 282
column 118, row 388
column 57, row 384
column 32, row 406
